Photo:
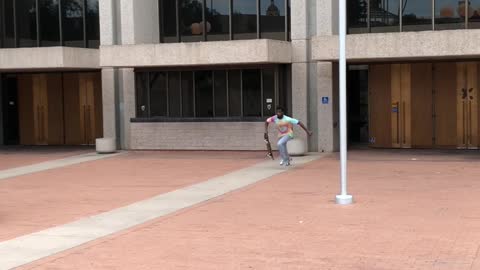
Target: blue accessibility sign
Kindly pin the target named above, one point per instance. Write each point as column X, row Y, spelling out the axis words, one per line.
column 324, row 100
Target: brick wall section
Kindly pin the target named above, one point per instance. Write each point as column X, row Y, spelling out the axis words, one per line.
column 200, row 136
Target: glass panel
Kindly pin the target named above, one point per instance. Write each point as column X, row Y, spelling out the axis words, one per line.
column 268, row 92
column 49, row 23
column 93, row 24
column 203, row 94
column 218, row 20
column 168, row 23
column 191, row 24
column 474, row 14
column 174, row 97
column 9, row 33
column 27, row 23
column 449, row 14
column 141, row 82
column 187, row 94
column 252, row 106
column 244, row 19
column 234, row 93
column 158, row 94
column 272, row 20
column 220, row 90
column 417, row 15
column 357, row 16
column 384, row 16
column 72, row 12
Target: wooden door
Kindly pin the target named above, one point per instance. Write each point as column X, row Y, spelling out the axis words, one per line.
column 422, row 105
column 467, row 105
column 73, row 133
column 379, row 96
column 401, row 106
column 54, row 93
column 25, row 110
column 40, row 109
column 445, row 119
column 87, row 107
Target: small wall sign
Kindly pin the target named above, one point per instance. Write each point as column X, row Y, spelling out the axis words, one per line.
column 324, row 100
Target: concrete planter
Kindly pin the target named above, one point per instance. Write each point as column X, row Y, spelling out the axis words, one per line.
column 296, row 147
column 105, row 145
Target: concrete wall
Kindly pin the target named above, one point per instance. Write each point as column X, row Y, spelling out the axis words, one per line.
column 199, row 53
column 48, row 58
column 200, row 136
column 450, row 44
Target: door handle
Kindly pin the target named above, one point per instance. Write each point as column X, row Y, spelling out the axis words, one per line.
column 404, row 124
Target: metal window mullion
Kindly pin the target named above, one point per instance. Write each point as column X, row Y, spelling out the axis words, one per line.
column 466, row 13
column 258, row 19
column 287, row 16
column 85, row 23
column 368, row 17
column 15, row 25
column 241, row 93
column 194, row 96
column 177, row 23
column 37, row 18
column 433, row 15
column 400, row 11
column 261, row 93
column 213, row 93
column 2, row 24
column 167, row 83
column 228, row 92
column 60, row 22
column 230, row 20
column 161, row 32
column 204, row 30
column 149, row 102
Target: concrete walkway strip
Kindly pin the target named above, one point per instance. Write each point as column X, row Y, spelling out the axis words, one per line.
column 35, row 246
column 52, row 164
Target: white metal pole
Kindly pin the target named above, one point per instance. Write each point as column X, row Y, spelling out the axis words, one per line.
column 343, row 198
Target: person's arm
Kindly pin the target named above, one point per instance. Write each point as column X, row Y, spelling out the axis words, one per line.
column 309, row 132
column 265, row 135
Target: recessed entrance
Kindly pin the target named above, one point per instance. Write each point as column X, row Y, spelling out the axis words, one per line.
column 52, row 108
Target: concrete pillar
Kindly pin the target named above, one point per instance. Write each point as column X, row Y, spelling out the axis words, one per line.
column 108, row 22
column 126, row 104
column 327, row 104
column 139, row 22
column 327, row 17
column 110, row 99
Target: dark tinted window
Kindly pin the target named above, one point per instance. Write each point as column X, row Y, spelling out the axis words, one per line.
column 218, row 20
column 268, row 76
column 174, row 94
column 234, row 93
column 272, row 20
column 26, row 12
column 191, row 23
column 158, row 94
column 417, row 15
column 244, row 19
column 188, row 104
column 252, row 94
column 357, row 16
column 384, row 15
column 93, row 24
column 72, row 12
column 449, row 14
column 203, row 94
column 141, row 82
column 168, row 23
column 474, row 14
column 49, row 23
column 220, row 92
column 8, row 24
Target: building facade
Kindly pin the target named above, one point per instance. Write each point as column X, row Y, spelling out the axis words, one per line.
column 204, row 74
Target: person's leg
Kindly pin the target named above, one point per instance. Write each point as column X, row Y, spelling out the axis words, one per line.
column 282, row 148
column 287, row 156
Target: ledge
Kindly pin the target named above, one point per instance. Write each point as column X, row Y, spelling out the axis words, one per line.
column 46, row 58
column 426, row 45
column 194, row 120
column 198, row 53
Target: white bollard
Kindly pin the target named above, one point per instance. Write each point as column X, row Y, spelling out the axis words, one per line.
column 105, row 145
column 296, row 147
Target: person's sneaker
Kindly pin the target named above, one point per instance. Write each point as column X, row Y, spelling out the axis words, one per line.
column 286, row 163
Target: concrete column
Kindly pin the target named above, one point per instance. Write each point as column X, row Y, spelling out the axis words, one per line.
column 139, row 22
column 126, row 104
column 110, row 99
column 327, row 17
column 327, row 110
column 108, row 22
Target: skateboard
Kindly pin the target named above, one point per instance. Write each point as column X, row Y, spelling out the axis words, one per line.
column 269, row 148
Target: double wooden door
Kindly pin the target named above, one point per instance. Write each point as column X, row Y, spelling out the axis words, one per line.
column 57, row 109
column 424, row 105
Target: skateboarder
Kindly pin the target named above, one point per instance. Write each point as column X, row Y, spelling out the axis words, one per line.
column 285, row 132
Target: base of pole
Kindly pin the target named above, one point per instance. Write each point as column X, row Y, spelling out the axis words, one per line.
column 344, row 199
